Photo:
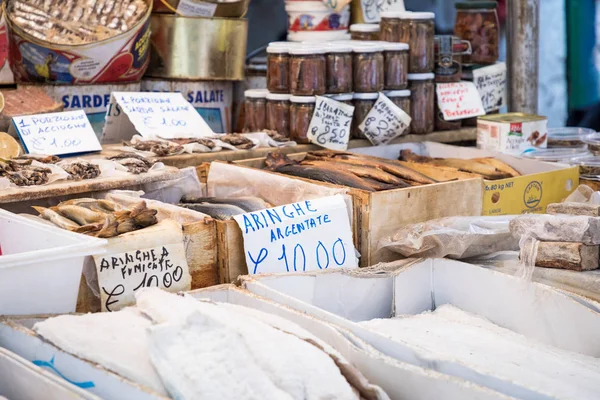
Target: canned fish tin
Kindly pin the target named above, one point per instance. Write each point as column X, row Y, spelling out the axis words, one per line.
column 119, row 58
column 212, row 99
column 512, row 133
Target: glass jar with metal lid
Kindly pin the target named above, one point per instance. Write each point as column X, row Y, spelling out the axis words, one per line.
column 338, row 70
column 422, row 97
column 418, row 30
column 307, row 70
column 389, row 26
column 396, row 65
column 363, row 102
column 278, row 113
column 477, row 22
column 368, row 67
column 278, row 69
column 401, row 98
column 364, row 31
column 301, row 112
column 255, row 110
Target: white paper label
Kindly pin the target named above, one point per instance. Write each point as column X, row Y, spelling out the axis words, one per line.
column 190, row 8
column 330, row 124
column 152, row 115
column 372, row 9
column 459, row 100
column 308, row 235
column 491, row 84
column 385, row 122
column 121, row 275
column 336, row 5
column 59, row 133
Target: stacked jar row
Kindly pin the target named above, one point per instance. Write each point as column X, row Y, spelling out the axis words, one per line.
column 338, row 67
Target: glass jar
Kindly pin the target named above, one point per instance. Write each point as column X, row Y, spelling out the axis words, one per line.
column 449, row 51
column 278, row 113
column 301, row 112
column 278, row 77
column 422, row 102
column 401, row 98
column 441, row 124
column 477, row 22
column 364, row 31
column 418, row 30
column 338, row 75
column 395, row 65
column 363, row 102
column 345, row 98
column 255, row 110
column 389, row 26
column 368, row 68
column 307, row 70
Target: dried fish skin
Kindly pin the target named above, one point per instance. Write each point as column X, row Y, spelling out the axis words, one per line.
column 81, row 215
column 56, row 218
column 248, row 204
column 222, row 212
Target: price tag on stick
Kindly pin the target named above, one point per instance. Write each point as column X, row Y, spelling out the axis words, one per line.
column 303, row 236
column 330, row 124
column 458, row 100
column 491, row 84
column 385, row 122
column 58, row 134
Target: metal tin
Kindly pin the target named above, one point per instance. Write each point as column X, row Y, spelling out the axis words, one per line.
column 513, row 133
column 121, row 58
column 178, row 53
column 230, row 9
column 512, row 117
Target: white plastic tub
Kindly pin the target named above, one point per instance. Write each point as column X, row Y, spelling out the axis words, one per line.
column 310, row 16
column 40, row 265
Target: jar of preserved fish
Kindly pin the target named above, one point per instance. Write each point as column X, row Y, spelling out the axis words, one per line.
column 401, row 98
column 307, row 70
column 422, row 102
column 389, row 26
column 363, row 102
column 278, row 76
column 278, row 113
column 338, row 74
column 368, row 67
column 448, row 56
column 255, row 110
column 396, row 65
column 418, row 30
column 301, row 112
column 441, row 124
column 477, row 22
column 364, row 31
column 345, row 98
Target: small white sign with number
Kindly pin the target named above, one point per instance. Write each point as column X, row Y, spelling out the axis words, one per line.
column 330, row 124
column 152, row 115
column 385, row 122
column 491, row 84
column 308, row 235
column 459, row 100
column 59, row 133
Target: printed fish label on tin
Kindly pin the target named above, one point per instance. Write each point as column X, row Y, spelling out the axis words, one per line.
column 308, row 235
column 458, row 100
column 491, row 84
column 190, row 8
column 385, row 122
column 330, row 124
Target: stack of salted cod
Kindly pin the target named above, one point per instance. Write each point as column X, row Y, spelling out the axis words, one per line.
column 194, row 349
column 450, row 333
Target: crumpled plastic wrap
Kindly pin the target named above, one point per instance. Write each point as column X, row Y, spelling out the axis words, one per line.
column 583, row 194
column 454, row 237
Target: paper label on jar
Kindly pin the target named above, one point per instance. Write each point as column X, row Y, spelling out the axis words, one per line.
column 191, row 8
column 330, row 124
column 385, row 122
column 459, row 100
column 336, row 5
column 371, row 9
column 491, row 84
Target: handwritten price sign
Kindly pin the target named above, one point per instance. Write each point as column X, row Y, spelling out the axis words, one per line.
column 385, row 122
column 459, row 100
column 373, row 8
column 491, row 84
column 57, row 133
column 330, row 124
column 304, row 236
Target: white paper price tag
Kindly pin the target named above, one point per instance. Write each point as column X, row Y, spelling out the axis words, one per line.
column 458, row 100
column 60, row 133
column 191, row 8
column 385, row 122
column 152, row 115
column 330, row 124
column 491, row 84
column 372, row 9
column 308, row 235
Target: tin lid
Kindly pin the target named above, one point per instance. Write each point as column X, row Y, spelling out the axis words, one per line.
column 367, row 47
column 558, row 154
column 256, row 93
column 338, row 48
column 303, row 99
column 420, row 77
column 397, row 93
column 472, row 5
column 341, row 96
column 416, row 15
column 392, row 14
column 364, row 27
column 365, row 96
column 512, row 117
column 307, row 49
column 391, row 46
column 278, row 96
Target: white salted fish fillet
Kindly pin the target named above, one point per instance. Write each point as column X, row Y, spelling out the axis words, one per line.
column 203, row 350
column 450, row 333
column 118, row 341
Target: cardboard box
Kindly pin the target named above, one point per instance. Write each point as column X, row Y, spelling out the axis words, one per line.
column 541, row 183
column 534, row 310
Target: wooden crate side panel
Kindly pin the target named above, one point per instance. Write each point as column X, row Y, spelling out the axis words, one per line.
column 200, row 240
column 230, row 247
